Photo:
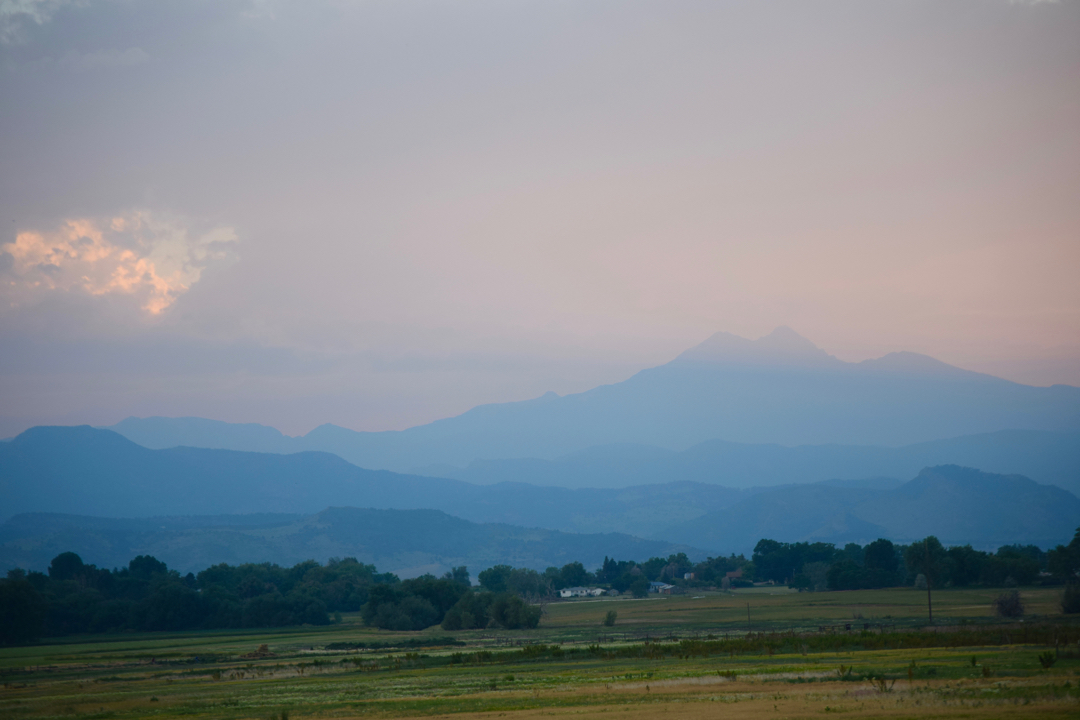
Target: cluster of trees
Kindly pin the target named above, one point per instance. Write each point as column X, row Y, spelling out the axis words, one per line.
column 75, row 597
column 484, row 609
column 414, row 604
column 508, row 597
column 451, row 602
column 820, row 566
column 622, row 575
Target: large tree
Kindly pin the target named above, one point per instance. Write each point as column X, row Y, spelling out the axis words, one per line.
column 927, row 557
column 1064, row 560
column 881, row 555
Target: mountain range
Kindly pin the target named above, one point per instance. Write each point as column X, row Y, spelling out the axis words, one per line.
column 958, row 505
column 733, row 441
column 87, row 471
column 779, row 389
column 405, row 542
column 1047, row 457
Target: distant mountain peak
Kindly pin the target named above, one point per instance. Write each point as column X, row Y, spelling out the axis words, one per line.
column 913, row 363
column 783, row 346
column 783, row 333
column 785, row 339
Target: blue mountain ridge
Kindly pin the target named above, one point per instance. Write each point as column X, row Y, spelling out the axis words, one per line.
column 85, row 471
column 780, row 389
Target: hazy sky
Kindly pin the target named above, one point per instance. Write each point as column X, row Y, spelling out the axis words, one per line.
column 381, row 213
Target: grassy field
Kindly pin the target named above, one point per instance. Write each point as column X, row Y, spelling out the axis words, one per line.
column 780, row 608
column 682, row 655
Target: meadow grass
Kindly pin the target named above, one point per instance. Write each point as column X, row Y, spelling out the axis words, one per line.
column 693, row 656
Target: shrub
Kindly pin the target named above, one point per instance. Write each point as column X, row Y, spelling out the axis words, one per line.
column 609, row 619
column 1009, row 605
column 1047, row 659
column 511, row 612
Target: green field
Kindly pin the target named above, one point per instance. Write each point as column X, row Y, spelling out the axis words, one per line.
column 795, row 657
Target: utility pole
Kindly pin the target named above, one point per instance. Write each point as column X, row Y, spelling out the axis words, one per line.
column 929, row 604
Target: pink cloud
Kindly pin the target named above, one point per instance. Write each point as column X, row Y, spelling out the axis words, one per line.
column 151, row 259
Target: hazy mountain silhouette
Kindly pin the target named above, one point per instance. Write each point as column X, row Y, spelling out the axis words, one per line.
column 87, row 471
column 158, row 433
column 407, row 542
column 1047, row 457
column 778, row 389
column 959, row 505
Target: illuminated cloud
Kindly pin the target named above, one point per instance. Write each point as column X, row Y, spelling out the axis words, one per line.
column 151, row 259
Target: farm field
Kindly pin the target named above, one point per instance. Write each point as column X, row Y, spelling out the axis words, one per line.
column 779, row 608
column 680, row 655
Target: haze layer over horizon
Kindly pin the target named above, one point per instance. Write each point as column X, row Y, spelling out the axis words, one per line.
column 379, row 214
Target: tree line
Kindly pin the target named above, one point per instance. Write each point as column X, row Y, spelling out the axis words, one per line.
column 74, row 597
column 823, row 566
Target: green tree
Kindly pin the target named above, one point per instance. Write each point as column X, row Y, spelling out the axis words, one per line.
column 843, row 574
column 779, row 562
column 472, row 611
column 22, row 611
column 854, row 552
column 528, row 584
column 1064, row 560
column 494, row 578
column 511, row 612
column 65, row 566
column 881, row 555
column 573, row 574
column 146, row 566
column 964, row 565
column 392, row 608
column 460, row 575
column 609, row 570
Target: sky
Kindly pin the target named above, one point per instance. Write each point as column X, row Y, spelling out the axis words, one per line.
column 380, row 213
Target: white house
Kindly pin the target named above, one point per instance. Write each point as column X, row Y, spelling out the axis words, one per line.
column 580, row 592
